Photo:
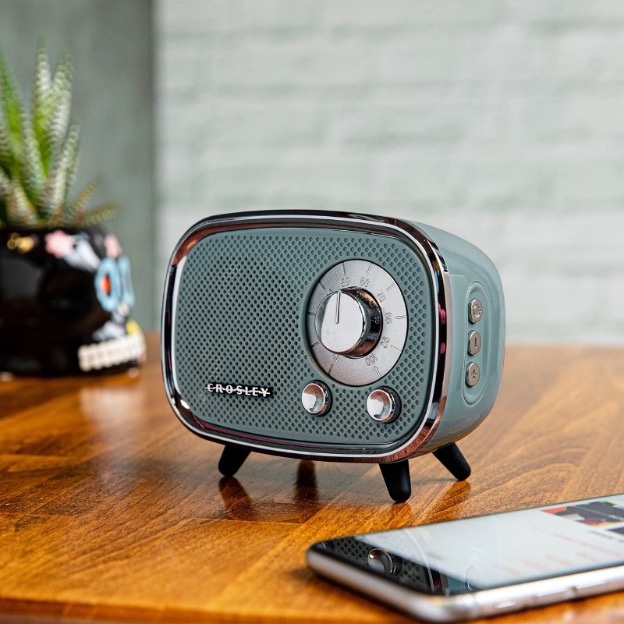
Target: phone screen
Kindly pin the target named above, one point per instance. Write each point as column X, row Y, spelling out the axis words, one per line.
column 487, row 552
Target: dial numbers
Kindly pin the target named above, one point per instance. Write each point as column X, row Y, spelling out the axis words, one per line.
column 352, row 369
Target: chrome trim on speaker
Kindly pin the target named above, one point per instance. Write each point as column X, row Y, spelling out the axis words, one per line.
column 174, row 295
column 402, row 230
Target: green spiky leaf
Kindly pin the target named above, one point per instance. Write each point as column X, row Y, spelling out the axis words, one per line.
column 71, row 154
column 6, row 144
column 5, row 186
column 39, row 152
column 78, row 208
column 31, row 168
column 19, row 210
column 42, row 91
column 57, row 121
column 11, row 104
column 52, row 199
column 63, row 74
column 101, row 213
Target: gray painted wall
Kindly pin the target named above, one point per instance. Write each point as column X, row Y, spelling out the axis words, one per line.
column 111, row 42
column 499, row 120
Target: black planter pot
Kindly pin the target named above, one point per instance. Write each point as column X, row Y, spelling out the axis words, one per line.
column 65, row 301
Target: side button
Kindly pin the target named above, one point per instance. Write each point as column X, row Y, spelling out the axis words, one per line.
column 474, row 343
column 475, row 311
column 473, row 374
column 507, row 605
column 545, row 598
column 589, row 589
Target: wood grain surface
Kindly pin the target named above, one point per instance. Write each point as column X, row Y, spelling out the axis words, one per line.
column 110, row 510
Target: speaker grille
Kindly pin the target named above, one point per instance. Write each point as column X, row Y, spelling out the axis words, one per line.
column 352, row 549
column 240, row 319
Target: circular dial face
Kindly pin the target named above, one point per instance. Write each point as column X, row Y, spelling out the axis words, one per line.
column 357, row 322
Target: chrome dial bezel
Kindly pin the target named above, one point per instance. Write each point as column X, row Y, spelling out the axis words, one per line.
column 354, row 370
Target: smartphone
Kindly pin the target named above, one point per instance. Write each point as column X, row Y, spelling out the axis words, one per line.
column 485, row 565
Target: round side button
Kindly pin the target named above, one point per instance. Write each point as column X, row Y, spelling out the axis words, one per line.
column 474, row 343
column 473, row 374
column 316, row 398
column 383, row 405
column 475, row 311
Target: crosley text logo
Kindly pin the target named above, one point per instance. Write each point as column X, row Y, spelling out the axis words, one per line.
column 239, row 389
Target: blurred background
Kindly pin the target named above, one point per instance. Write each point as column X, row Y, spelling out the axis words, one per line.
column 111, row 42
column 501, row 121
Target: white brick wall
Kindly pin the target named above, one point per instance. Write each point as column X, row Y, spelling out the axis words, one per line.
column 499, row 120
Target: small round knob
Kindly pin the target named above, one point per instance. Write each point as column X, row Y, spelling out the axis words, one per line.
column 348, row 322
column 383, row 405
column 316, row 398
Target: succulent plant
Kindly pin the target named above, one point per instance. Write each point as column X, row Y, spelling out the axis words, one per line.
column 39, row 151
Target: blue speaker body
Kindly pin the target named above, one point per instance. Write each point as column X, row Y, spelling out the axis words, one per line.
column 331, row 336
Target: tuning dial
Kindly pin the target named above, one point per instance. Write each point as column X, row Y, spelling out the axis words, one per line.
column 356, row 322
column 348, row 322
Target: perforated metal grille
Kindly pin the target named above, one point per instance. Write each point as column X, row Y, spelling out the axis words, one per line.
column 240, row 319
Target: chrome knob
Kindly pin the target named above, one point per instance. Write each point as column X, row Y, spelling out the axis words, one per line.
column 383, row 405
column 348, row 322
column 316, row 398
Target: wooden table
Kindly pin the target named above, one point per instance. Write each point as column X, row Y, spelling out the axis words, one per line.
column 111, row 510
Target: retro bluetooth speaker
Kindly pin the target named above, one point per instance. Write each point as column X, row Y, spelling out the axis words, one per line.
column 332, row 336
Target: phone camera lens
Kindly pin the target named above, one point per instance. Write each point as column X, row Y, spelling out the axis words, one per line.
column 384, row 562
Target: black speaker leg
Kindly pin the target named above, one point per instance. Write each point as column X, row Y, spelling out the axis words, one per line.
column 397, row 478
column 452, row 459
column 232, row 458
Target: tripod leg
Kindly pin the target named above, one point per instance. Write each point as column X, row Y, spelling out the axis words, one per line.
column 232, row 458
column 452, row 459
column 397, row 478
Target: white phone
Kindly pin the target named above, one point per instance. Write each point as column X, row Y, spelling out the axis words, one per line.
column 486, row 565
